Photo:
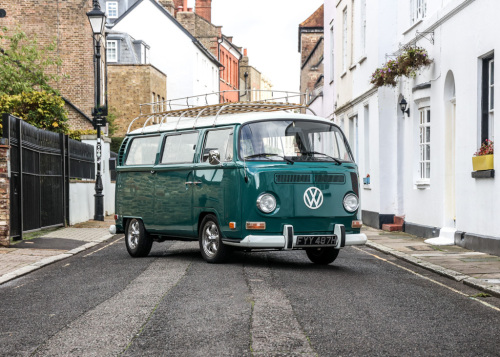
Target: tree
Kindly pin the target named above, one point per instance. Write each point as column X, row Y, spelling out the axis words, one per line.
column 25, row 66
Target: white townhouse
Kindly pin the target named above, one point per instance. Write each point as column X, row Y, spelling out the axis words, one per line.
column 420, row 161
column 190, row 68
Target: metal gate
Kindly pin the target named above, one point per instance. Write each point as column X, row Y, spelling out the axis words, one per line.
column 41, row 164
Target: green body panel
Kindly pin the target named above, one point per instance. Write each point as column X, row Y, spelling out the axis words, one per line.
column 173, row 201
column 291, row 208
column 218, row 193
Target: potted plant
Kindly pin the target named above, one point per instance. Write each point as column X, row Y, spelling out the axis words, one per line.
column 483, row 158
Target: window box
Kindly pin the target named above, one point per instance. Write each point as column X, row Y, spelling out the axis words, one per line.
column 481, row 163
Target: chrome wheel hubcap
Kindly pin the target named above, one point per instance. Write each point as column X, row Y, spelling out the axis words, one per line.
column 210, row 239
column 133, row 235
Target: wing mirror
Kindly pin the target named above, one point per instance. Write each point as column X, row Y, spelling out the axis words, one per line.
column 214, row 157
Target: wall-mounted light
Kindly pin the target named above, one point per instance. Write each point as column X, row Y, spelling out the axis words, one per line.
column 403, row 105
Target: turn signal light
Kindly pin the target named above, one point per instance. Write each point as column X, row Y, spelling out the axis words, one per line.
column 232, row 225
column 256, row 225
column 116, row 217
column 356, row 224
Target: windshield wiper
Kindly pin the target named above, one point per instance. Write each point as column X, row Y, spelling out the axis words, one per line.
column 266, row 154
column 337, row 161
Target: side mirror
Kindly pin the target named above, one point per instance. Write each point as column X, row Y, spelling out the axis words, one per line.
column 214, row 157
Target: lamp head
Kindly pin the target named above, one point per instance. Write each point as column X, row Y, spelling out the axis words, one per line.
column 97, row 19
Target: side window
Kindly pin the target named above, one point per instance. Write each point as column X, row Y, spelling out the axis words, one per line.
column 179, row 148
column 221, row 140
column 143, row 151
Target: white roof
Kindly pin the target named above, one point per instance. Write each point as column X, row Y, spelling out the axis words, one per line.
column 173, row 123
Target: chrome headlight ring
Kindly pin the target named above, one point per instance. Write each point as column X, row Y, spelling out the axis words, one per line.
column 266, row 203
column 351, row 202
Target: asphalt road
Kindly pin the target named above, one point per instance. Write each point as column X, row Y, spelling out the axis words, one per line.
column 104, row 303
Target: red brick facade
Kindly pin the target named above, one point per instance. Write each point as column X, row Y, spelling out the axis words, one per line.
column 229, row 75
column 67, row 22
column 4, row 197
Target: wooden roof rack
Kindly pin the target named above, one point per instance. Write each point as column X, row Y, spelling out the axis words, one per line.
column 218, row 109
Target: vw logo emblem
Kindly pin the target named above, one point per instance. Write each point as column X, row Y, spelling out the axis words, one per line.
column 313, row 198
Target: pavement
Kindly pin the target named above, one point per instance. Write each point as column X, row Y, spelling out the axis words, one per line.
column 475, row 269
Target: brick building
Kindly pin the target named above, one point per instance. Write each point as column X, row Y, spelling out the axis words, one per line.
column 311, row 48
column 129, row 67
column 199, row 24
column 67, row 23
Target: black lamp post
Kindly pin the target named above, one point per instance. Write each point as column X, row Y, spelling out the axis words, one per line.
column 97, row 19
column 403, row 104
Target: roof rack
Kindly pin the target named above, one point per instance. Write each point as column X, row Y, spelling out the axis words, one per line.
column 215, row 110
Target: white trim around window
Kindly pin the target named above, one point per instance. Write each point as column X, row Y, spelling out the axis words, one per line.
column 112, row 9
column 112, row 51
column 424, row 145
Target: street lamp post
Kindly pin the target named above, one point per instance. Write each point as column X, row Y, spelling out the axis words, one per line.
column 97, row 19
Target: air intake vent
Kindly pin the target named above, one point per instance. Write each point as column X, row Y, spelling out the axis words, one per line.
column 121, row 152
column 326, row 178
column 292, row 178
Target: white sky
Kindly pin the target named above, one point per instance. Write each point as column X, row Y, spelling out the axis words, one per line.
column 269, row 30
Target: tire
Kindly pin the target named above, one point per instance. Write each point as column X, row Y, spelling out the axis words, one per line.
column 322, row 256
column 211, row 246
column 137, row 240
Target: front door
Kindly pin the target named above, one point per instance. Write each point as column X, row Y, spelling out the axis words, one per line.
column 174, row 185
column 216, row 188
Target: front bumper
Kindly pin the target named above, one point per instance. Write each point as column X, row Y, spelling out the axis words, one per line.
column 288, row 240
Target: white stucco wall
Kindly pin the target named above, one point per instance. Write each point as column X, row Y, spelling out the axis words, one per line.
column 81, row 202
column 188, row 69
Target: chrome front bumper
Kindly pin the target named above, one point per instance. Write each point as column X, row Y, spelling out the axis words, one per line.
column 288, row 240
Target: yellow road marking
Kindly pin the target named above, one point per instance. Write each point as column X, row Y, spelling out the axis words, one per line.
column 429, row 279
column 107, row 245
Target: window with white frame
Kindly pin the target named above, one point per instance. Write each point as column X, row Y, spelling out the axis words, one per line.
column 488, row 98
column 491, row 99
column 352, row 46
column 111, row 51
column 363, row 27
column 425, row 143
column 332, row 55
column 344, row 41
column 418, row 10
column 112, row 9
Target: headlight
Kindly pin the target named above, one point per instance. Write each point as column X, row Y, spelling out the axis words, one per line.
column 266, row 203
column 351, row 202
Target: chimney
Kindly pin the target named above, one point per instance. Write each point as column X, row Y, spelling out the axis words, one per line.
column 168, row 5
column 185, row 5
column 204, row 9
column 178, row 5
column 245, row 52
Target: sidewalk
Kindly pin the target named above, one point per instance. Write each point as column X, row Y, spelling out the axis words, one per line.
column 28, row 255
column 479, row 270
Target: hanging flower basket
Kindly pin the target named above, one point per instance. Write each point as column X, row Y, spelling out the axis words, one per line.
column 406, row 64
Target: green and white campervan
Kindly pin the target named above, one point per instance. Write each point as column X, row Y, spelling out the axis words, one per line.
column 241, row 176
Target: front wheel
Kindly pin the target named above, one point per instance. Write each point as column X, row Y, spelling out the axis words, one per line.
column 137, row 240
column 322, row 256
column 211, row 246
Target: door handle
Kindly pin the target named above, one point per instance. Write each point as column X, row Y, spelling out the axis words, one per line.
column 153, row 172
column 197, row 183
column 189, row 183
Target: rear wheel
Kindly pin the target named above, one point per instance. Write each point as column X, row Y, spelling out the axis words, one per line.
column 211, row 246
column 137, row 240
column 322, row 255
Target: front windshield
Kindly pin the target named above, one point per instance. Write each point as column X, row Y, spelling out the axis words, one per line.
column 296, row 140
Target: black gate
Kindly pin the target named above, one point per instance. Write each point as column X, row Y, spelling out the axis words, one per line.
column 41, row 164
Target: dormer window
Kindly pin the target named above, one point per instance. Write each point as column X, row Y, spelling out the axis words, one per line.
column 111, row 51
column 112, row 9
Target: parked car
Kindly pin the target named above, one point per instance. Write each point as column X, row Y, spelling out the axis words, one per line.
column 240, row 176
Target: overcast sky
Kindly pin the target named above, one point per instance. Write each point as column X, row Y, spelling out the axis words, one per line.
column 269, row 30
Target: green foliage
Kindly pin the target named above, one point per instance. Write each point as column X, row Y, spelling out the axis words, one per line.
column 41, row 109
column 77, row 134
column 112, row 115
column 25, row 66
column 116, row 143
column 406, row 64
